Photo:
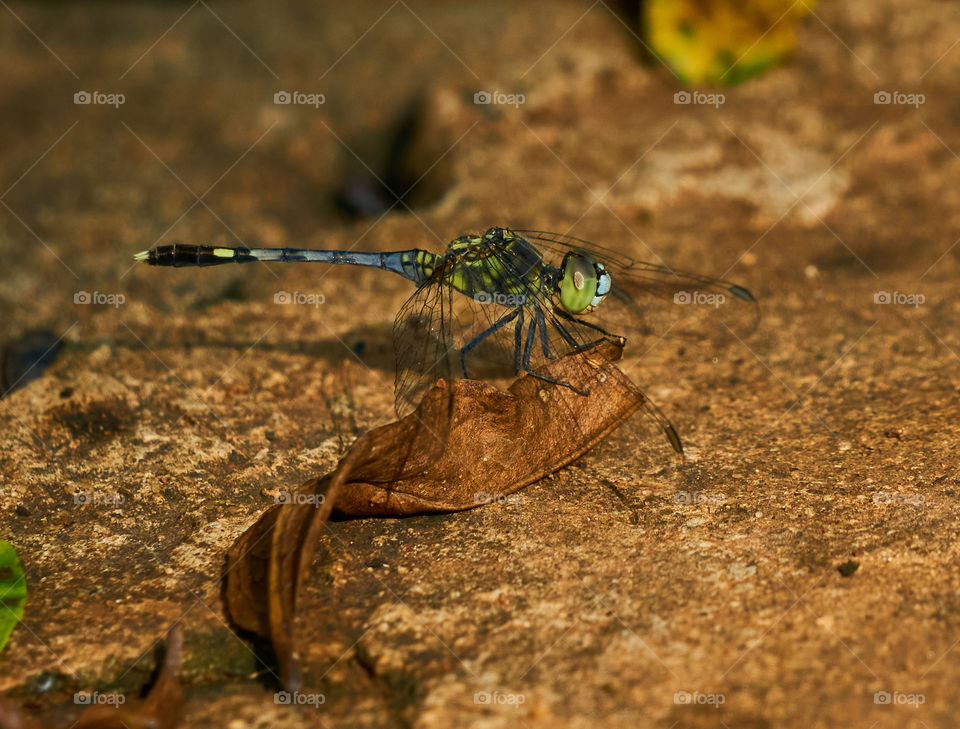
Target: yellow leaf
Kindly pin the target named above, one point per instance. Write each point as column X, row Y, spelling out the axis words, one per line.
column 722, row 41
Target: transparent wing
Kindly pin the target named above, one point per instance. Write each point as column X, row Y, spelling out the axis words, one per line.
column 653, row 300
column 658, row 301
column 559, row 244
column 441, row 332
column 423, row 343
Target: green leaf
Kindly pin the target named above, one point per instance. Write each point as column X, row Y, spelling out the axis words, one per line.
column 13, row 591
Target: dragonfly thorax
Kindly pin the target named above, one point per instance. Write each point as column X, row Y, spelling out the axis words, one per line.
column 496, row 267
column 501, row 266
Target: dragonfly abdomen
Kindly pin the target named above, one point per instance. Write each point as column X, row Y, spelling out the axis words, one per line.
column 416, row 265
column 179, row 255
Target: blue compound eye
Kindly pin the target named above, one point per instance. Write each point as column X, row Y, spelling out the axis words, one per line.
column 604, row 284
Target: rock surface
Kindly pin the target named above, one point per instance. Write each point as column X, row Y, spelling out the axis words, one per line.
column 804, row 560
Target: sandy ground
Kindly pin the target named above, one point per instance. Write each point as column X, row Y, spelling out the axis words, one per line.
column 815, row 564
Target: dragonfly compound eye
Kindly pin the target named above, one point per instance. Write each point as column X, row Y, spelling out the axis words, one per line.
column 604, row 284
column 578, row 287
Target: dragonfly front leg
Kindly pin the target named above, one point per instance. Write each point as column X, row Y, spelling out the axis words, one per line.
column 528, row 350
column 569, row 337
column 604, row 332
column 496, row 326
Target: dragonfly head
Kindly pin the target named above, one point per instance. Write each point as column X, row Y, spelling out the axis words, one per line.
column 584, row 283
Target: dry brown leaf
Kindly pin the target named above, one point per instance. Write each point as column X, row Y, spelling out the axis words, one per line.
column 497, row 441
column 13, row 717
column 269, row 562
column 494, row 440
column 159, row 710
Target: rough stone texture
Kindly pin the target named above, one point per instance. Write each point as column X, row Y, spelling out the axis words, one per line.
column 826, row 439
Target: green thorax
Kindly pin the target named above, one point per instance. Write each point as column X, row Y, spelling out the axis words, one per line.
column 498, row 263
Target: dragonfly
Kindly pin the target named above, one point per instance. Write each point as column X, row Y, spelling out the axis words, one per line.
column 506, row 302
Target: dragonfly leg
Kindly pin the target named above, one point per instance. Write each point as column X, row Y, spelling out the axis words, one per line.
column 528, row 345
column 542, row 326
column 518, row 343
column 527, row 351
column 568, row 317
column 569, row 338
column 498, row 324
